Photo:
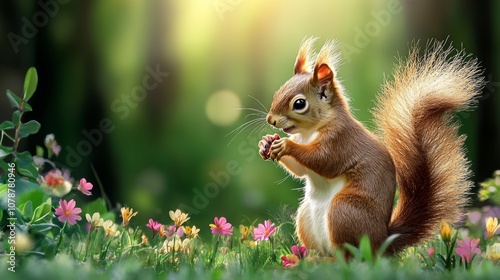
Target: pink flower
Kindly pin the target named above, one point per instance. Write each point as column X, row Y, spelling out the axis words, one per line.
column 68, row 212
column 221, row 227
column 294, row 259
column 85, row 187
column 180, row 232
column 430, row 252
column 52, row 146
column 263, row 231
column 467, row 249
column 290, row 260
column 300, row 252
column 171, row 230
column 153, row 225
column 56, row 149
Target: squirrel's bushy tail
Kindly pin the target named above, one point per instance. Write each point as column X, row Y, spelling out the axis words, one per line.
column 415, row 119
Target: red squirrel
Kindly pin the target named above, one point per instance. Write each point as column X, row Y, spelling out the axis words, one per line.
column 350, row 173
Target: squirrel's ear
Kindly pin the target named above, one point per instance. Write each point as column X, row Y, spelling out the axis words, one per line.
column 322, row 74
column 326, row 61
column 304, row 58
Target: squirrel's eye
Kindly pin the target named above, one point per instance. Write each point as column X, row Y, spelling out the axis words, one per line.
column 299, row 104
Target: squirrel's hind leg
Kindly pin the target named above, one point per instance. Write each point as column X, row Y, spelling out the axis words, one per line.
column 351, row 216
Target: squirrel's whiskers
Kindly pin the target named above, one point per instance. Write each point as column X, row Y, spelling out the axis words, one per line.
column 259, row 121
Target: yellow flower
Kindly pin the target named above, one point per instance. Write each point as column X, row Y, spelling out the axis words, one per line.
column 191, row 232
column 175, row 244
column 162, row 231
column 245, row 232
column 127, row 214
column 144, row 240
column 491, row 226
column 445, row 231
column 95, row 221
column 493, row 252
column 110, row 228
column 178, row 217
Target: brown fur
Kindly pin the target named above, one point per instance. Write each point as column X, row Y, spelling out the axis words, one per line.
column 420, row 148
column 415, row 121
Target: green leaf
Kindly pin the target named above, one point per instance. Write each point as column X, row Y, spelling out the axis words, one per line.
column 25, row 156
column 440, row 263
column 27, row 107
column 20, row 219
column 3, row 192
column 15, row 101
column 7, row 125
column 30, row 83
column 3, row 164
column 356, row 253
column 43, row 212
column 107, row 216
column 25, row 165
column 26, row 209
column 366, row 249
column 39, row 151
column 24, row 186
column 16, row 117
column 386, row 244
column 29, row 171
column 97, row 205
column 28, row 128
column 42, row 227
column 35, row 195
column 3, row 153
column 6, row 149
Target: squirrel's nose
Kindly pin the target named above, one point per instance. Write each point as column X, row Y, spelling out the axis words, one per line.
column 270, row 120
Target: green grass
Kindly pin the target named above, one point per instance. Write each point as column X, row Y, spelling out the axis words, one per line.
column 66, row 267
column 93, row 255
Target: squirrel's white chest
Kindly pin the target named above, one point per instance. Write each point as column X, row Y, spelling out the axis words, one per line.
column 318, row 196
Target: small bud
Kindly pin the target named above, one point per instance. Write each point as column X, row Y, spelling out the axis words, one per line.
column 445, row 231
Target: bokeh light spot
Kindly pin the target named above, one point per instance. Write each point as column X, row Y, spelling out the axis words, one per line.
column 222, row 108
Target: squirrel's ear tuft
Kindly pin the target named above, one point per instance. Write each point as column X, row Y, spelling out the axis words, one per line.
column 305, row 57
column 322, row 74
column 326, row 61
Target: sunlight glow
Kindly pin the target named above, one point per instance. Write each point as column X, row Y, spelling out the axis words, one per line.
column 222, row 107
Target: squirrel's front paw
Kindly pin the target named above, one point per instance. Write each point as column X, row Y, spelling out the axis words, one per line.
column 265, row 145
column 279, row 148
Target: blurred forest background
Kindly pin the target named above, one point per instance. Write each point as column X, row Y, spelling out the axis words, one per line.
column 153, row 87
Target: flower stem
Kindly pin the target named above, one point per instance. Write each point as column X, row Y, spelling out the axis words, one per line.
column 59, row 242
column 87, row 247
column 214, row 252
column 18, row 128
